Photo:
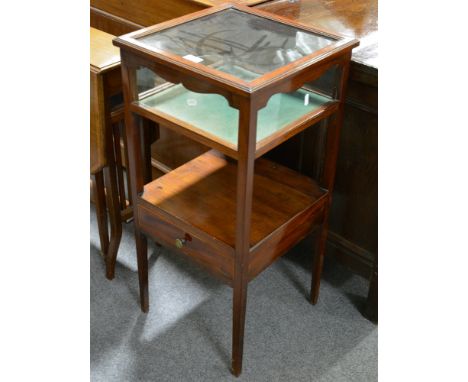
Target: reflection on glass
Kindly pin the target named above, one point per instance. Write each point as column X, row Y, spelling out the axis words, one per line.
column 244, row 45
column 327, row 83
column 147, row 80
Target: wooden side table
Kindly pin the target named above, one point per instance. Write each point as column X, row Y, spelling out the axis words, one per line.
column 106, row 115
column 108, row 146
column 240, row 81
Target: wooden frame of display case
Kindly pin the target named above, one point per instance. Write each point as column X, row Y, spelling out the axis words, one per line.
column 247, row 228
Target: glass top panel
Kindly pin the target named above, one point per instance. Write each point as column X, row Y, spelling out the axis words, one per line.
column 239, row 43
column 212, row 114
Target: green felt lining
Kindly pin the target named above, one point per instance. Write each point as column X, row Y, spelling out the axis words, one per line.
column 212, row 113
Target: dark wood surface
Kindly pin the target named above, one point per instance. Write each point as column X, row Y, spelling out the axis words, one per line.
column 352, row 18
column 150, row 12
column 353, row 220
column 123, row 16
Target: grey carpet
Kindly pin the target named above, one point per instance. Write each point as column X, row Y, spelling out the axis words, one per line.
column 186, row 336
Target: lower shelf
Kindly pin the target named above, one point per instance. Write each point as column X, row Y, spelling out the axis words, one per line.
column 196, row 203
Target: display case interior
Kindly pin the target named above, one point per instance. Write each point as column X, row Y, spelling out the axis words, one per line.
column 211, row 116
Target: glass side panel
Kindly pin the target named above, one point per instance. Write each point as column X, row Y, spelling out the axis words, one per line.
column 147, row 80
column 244, row 45
column 328, row 83
column 211, row 112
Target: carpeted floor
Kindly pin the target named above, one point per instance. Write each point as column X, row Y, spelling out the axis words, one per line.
column 186, row 336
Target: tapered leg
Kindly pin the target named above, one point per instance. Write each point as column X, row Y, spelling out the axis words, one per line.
column 115, row 220
column 318, row 262
column 142, row 259
column 245, row 179
column 133, row 138
column 101, row 213
column 238, row 325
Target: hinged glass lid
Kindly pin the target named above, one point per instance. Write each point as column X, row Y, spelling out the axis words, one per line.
column 239, row 43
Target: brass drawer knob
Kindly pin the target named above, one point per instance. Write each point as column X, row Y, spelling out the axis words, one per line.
column 179, row 243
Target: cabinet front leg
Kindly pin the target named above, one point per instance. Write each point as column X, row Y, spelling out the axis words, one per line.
column 239, row 308
column 142, row 260
column 318, row 262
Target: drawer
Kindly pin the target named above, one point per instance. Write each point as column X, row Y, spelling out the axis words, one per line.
column 213, row 255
